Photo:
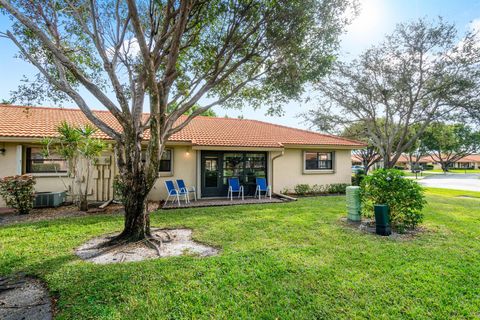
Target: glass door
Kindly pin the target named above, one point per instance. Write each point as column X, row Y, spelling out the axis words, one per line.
column 211, row 179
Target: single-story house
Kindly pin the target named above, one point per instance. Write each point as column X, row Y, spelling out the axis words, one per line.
column 468, row 162
column 205, row 153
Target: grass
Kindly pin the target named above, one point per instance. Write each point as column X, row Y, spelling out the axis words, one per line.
column 279, row 261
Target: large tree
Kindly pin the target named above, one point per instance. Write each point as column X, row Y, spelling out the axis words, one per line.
column 448, row 143
column 368, row 155
column 162, row 53
column 421, row 73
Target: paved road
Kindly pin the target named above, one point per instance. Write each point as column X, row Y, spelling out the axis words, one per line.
column 469, row 182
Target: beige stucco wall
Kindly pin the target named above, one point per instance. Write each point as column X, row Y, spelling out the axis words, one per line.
column 8, row 162
column 288, row 170
column 184, row 167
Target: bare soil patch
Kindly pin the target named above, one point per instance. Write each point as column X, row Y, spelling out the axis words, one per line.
column 24, row 298
column 9, row 216
column 179, row 243
column 368, row 226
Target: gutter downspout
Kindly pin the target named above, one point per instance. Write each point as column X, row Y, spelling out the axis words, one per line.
column 273, row 169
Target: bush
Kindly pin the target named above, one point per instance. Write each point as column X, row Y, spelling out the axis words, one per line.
column 318, row 189
column 18, row 192
column 358, row 177
column 428, row 167
column 302, row 189
column 404, row 197
column 337, row 188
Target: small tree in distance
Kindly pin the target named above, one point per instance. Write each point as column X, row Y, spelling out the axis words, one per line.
column 81, row 150
column 448, row 143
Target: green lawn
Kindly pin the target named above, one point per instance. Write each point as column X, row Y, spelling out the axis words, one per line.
column 285, row 261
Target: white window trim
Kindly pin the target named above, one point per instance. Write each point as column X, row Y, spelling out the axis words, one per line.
column 319, row 171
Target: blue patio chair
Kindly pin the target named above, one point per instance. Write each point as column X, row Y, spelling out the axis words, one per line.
column 182, row 187
column 234, row 186
column 174, row 193
column 262, row 187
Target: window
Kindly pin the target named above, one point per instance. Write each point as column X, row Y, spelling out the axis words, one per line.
column 37, row 163
column 166, row 161
column 318, row 160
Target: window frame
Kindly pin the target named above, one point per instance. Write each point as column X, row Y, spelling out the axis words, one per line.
column 171, row 162
column 28, row 163
column 319, row 170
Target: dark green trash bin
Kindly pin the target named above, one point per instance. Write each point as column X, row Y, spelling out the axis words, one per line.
column 382, row 220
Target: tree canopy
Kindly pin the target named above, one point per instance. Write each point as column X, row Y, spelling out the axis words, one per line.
column 423, row 72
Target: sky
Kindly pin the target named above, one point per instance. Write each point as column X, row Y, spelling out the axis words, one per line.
column 376, row 19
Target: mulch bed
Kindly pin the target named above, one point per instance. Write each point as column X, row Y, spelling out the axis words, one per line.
column 174, row 242
column 67, row 211
column 368, row 226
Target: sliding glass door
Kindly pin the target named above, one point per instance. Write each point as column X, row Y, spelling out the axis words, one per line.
column 217, row 167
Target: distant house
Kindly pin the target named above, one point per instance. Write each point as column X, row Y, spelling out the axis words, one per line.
column 205, row 153
column 404, row 161
column 468, row 162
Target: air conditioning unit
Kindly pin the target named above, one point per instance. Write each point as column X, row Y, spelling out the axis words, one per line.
column 48, row 199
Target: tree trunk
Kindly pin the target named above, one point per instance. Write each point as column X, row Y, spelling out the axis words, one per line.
column 83, row 204
column 137, row 219
column 387, row 164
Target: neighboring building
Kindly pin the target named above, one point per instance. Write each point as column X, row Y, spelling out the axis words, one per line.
column 205, row 153
column 404, row 161
column 468, row 162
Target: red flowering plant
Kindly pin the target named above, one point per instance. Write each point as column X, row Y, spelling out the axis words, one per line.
column 18, row 192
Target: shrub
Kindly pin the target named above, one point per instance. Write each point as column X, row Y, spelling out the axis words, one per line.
column 318, row 189
column 337, row 188
column 404, row 197
column 302, row 189
column 358, row 177
column 18, row 192
column 428, row 167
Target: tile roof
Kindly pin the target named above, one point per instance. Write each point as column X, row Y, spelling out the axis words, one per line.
column 38, row 122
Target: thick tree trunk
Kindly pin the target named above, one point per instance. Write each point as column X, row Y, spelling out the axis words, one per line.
column 137, row 219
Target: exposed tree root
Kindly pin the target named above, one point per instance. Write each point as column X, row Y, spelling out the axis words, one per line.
column 152, row 241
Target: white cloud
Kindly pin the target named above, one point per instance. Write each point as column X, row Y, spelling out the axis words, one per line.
column 475, row 25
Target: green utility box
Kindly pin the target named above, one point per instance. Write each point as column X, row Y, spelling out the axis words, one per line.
column 353, row 203
column 382, row 220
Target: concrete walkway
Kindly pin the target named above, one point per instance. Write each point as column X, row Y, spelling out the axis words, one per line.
column 467, row 182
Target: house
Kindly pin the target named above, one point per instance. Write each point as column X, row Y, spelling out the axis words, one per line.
column 405, row 162
column 467, row 162
column 205, row 153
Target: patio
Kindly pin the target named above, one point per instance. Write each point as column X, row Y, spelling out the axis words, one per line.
column 215, row 202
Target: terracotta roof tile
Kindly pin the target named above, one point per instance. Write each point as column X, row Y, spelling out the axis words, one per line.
column 38, row 122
